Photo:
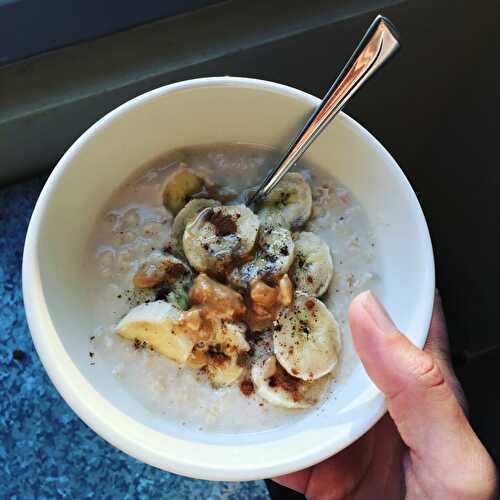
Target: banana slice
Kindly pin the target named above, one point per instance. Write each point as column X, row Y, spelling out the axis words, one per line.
column 312, row 270
column 224, row 374
column 162, row 269
column 306, row 338
column 169, row 276
column 277, row 387
column 272, row 217
column 218, row 236
column 184, row 217
column 274, row 256
column 231, row 341
column 179, row 186
column 156, row 324
column 292, row 197
column 219, row 357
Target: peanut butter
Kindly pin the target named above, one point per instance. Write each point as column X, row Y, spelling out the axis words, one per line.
column 217, row 300
column 267, row 301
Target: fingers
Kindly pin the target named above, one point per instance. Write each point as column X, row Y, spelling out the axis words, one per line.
column 296, row 480
column 419, row 399
column 444, row 459
column 438, row 346
column 337, row 476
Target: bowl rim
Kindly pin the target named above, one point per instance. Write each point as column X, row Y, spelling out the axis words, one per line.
column 58, row 364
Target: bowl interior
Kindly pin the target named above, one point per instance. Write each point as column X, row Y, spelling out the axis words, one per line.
column 204, row 112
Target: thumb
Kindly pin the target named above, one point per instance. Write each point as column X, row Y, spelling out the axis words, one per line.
column 419, row 399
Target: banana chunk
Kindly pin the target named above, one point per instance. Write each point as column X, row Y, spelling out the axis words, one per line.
column 312, row 269
column 272, row 217
column 274, row 256
column 277, row 387
column 292, row 197
column 219, row 357
column 230, row 340
column 156, row 323
column 162, row 269
column 306, row 338
column 179, row 187
column 184, row 217
column 218, row 236
column 168, row 276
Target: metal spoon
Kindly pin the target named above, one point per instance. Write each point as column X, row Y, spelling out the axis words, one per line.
column 380, row 42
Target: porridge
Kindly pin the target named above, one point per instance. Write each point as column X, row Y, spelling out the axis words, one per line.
column 218, row 316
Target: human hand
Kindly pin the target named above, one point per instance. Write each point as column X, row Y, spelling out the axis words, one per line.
column 424, row 447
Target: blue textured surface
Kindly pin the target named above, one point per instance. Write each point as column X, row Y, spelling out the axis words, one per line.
column 46, row 451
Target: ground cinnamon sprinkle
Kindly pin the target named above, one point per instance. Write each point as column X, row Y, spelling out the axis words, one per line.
column 224, row 224
column 174, row 271
column 288, row 383
column 138, row 344
column 243, row 359
column 247, row 387
column 269, row 279
column 216, row 355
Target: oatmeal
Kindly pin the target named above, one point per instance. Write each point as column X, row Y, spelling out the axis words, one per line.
column 218, row 316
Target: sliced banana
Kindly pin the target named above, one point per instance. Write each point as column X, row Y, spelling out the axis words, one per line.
column 312, row 269
column 277, row 387
column 231, row 339
column 219, row 356
column 218, row 236
column 292, row 197
column 274, row 256
column 156, row 324
column 225, row 373
column 272, row 217
column 179, row 186
column 162, row 269
column 306, row 338
column 169, row 276
column 184, row 217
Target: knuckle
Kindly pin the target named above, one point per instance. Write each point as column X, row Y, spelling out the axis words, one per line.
column 429, row 373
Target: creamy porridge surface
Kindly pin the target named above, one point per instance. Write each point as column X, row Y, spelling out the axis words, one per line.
column 135, row 224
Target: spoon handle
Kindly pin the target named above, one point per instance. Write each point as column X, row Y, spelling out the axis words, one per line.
column 377, row 46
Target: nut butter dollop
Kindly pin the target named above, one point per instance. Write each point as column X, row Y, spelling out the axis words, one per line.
column 267, row 300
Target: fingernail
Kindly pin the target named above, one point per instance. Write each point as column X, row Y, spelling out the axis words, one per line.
column 378, row 313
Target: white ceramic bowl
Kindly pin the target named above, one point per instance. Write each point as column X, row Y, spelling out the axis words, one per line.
column 196, row 112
